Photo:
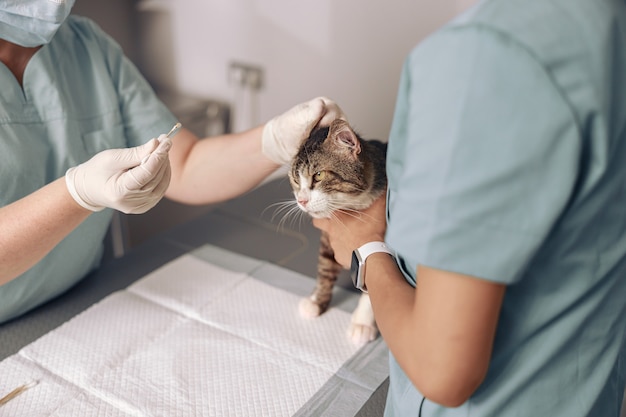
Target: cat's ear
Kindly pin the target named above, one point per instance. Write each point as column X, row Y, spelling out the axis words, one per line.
column 344, row 136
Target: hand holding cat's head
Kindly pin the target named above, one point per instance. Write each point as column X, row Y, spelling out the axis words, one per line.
column 283, row 135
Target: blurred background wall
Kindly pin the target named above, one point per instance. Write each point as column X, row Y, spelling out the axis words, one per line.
column 349, row 50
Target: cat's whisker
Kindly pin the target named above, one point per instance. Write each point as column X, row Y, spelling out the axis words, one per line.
column 293, row 215
column 359, row 215
column 334, row 216
column 338, row 220
column 281, row 206
column 354, row 214
column 287, row 210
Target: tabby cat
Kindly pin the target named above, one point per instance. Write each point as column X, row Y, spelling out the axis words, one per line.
column 335, row 169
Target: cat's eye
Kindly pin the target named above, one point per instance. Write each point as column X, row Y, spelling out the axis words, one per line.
column 319, row 175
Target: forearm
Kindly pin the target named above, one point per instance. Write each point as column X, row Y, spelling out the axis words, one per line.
column 34, row 225
column 393, row 301
column 217, row 168
column 412, row 338
column 441, row 333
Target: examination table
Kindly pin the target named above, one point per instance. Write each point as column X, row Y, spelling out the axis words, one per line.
column 244, row 235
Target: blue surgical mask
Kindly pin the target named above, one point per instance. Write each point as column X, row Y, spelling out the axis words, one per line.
column 32, row 22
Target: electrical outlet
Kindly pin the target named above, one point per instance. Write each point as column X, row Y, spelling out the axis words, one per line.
column 245, row 75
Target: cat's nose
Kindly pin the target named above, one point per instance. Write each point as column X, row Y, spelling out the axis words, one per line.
column 303, row 202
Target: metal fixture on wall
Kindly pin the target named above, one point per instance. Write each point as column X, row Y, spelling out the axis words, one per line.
column 246, row 81
column 204, row 117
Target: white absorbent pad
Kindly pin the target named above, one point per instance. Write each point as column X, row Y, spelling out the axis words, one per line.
column 195, row 339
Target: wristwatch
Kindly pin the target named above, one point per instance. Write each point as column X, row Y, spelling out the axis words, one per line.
column 357, row 267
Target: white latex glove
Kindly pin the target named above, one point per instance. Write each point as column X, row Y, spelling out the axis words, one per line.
column 283, row 135
column 117, row 178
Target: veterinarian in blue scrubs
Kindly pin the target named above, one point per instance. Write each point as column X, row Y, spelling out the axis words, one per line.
column 76, row 119
column 507, row 200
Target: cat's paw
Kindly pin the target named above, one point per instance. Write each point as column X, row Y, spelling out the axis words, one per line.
column 361, row 334
column 363, row 327
column 309, row 309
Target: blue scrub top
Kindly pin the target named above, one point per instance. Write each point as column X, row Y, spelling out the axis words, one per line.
column 80, row 96
column 507, row 162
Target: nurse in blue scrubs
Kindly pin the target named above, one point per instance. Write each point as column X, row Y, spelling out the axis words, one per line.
column 76, row 119
column 506, row 208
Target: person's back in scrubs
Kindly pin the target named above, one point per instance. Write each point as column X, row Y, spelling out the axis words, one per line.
column 507, row 162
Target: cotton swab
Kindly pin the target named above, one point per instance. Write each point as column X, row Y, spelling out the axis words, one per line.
column 17, row 391
column 174, row 130
column 171, row 133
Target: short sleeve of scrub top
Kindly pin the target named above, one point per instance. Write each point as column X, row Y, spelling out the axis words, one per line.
column 143, row 116
column 482, row 157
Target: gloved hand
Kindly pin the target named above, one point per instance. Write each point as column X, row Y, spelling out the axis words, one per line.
column 117, row 178
column 283, row 135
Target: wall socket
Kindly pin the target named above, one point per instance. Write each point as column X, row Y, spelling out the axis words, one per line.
column 245, row 75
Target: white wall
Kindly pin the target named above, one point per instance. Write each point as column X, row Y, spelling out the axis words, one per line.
column 116, row 17
column 349, row 50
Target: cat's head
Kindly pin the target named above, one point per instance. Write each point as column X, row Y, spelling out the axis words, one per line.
column 329, row 172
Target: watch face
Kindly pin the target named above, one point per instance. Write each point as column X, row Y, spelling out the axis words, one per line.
column 354, row 269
